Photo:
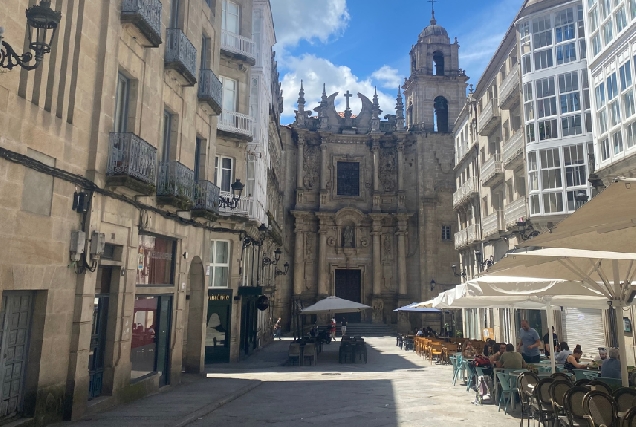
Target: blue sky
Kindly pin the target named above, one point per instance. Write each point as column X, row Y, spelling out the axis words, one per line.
column 358, row 44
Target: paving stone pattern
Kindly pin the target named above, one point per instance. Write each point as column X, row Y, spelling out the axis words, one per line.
column 395, row 388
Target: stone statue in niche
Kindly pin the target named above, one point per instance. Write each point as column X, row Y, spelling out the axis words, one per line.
column 347, row 237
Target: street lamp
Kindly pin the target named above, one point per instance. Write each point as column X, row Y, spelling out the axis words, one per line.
column 231, row 201
column 42, row 22
column 278, row 272
column 269, row 261
column 526, row 230
column 461, row 274
column 580, row 198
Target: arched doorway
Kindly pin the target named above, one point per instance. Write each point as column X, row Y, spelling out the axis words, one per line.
column 441, row 114
column 194, row 360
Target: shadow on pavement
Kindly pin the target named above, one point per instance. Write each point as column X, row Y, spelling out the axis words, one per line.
column 313, row 403
column 274, row 359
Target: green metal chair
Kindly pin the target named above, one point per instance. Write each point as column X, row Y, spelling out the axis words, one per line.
column 507, row 391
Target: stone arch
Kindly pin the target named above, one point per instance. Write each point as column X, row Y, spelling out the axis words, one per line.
column 438, row 63
column 194, row 359
column 440, row 106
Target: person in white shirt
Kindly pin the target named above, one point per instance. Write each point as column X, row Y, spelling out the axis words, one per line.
column 562, row 355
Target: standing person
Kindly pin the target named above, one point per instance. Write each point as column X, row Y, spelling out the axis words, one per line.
column 343, row 327
column 546, row 342
column 277, row 329
column 333, row 328
column 530, row 343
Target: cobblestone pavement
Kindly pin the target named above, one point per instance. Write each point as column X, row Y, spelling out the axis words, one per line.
column 395, row 388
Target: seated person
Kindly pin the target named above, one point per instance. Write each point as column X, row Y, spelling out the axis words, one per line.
column 511, row 359
column 488, row 347
column 611, row 367
column 572, row 361
column 563, row 354
column 469, row 351
column 420, row 333
column 498, row 350
column 602, row 356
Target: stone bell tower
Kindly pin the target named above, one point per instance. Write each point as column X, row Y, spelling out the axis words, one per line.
column 436, row 88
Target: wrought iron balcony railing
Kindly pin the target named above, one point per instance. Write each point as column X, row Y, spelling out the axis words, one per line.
column 238, row 44
column 132, row 157
column 181, row 55
column 146, row 16
column 206, row 197
column 211, row 90
column 176, row 181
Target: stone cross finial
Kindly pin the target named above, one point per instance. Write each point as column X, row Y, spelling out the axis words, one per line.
column 432, row 2
column 347, row 112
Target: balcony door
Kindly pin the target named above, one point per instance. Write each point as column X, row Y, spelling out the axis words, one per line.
column 230, row 101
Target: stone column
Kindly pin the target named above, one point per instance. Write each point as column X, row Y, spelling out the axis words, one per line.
column 299, row 258
column 323, row 165
column 376, row 233
column 375, row 149
column 299, row 163
column 323, row 277
column 401, row 257
column 400, row 170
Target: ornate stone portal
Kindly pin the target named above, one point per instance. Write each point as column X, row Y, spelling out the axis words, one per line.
column 372, row 195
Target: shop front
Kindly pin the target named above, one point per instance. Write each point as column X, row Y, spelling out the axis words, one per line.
column 218, row 326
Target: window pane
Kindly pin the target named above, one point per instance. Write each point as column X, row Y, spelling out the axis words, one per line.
column 155, row 260
column 221, row 277
column 222, row 252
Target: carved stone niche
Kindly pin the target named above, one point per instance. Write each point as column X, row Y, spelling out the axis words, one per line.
column 350, row 231
column 311, row 163
column 387, row 168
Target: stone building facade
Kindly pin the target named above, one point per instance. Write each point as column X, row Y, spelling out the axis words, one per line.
column 115, row 243
column 372, row 214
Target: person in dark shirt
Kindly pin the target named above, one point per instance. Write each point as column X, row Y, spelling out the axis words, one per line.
column 546, row 342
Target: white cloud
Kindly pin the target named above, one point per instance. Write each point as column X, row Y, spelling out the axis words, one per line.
column 387, row 77
column 309, row 20
column 315, row 71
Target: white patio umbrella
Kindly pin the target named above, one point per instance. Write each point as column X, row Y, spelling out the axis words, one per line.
column 611, row 274
column 334, row 305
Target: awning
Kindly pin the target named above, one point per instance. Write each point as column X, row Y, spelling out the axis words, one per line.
column 415, row 308
column 334, row 305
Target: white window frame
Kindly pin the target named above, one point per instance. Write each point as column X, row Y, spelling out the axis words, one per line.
column 122, row 102
column 214, row 264
column 227, row 11
column 218, row 172
column 230, row 86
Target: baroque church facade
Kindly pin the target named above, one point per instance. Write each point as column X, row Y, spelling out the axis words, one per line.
column 372, row 210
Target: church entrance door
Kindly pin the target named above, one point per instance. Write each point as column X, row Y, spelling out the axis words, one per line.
column 349, row 286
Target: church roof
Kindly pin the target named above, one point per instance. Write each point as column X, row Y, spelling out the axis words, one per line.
column 434, row 29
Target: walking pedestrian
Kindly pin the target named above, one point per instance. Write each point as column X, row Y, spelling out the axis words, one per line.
column 332, row 329
column 277, row 329
column 343, row 327
column 530, row 343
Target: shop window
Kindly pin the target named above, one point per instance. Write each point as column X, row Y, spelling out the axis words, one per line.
column 219, row 264
column 150, row 343
column 156, row 260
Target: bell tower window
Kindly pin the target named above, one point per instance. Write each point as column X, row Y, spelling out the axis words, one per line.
column 438, row 63
column 441, row 114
